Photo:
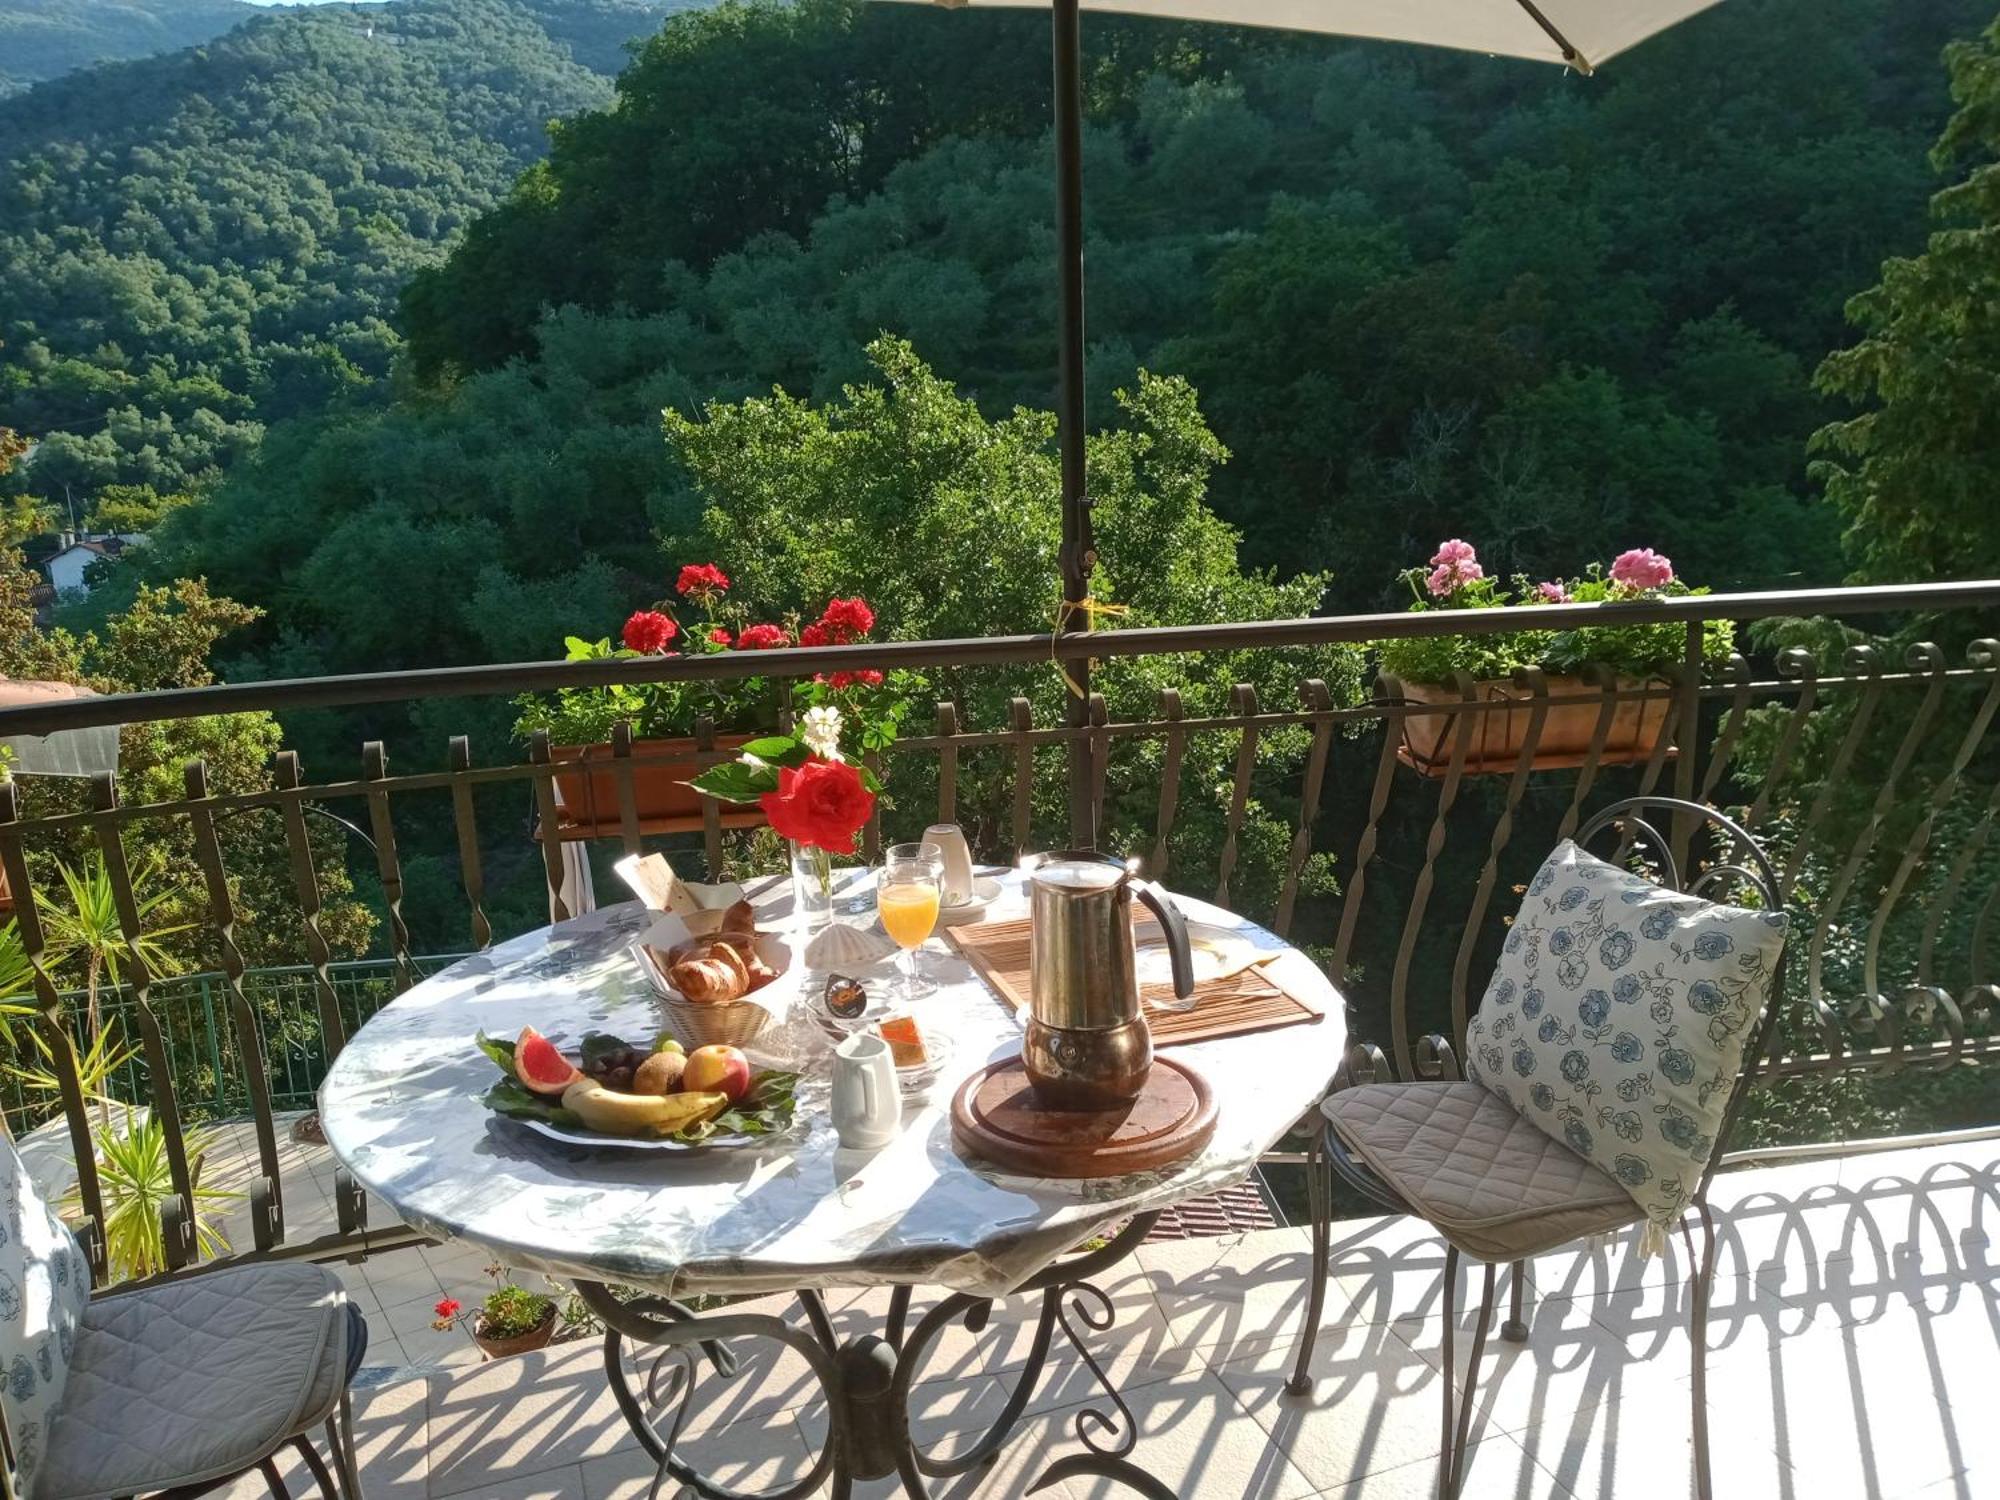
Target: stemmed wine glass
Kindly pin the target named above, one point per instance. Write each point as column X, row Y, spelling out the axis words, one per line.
column 907, row 892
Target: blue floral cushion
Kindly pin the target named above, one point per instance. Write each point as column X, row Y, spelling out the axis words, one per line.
column 44, row 1283
column 1617, row 1017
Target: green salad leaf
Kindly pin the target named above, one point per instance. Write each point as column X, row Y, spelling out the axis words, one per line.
column 515, row 1100
column 501, row 1051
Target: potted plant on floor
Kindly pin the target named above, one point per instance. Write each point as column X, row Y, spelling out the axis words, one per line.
column 510, row 1320
column 1629, row 659
column 702, row 619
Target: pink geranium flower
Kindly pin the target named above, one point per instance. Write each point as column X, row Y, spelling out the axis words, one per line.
column 1452, row 568
column 1642, row 568
column 1551, row 593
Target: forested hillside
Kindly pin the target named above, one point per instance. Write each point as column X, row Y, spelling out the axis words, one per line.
column 196, row 245
column 1418, row 295
column 47, row 38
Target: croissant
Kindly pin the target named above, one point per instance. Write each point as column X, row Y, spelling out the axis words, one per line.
column 761, row 973
column 740, row 919
column 708, row 981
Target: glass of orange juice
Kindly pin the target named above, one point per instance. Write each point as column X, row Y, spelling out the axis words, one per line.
column 907, row 891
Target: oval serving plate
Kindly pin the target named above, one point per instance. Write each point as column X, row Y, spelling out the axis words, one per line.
column 730, row 1141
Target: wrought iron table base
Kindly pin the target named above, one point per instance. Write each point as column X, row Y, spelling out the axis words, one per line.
column 867, row 1381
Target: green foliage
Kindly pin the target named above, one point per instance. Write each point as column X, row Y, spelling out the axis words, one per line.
column 195, row 245
column 137, row 1183
column 130, row 508
column 743, row 120
column 510, row 1311
column 1627, row 650
column 1913, row 474
column 884, row 490
column 1438, row 294
column 45, row 38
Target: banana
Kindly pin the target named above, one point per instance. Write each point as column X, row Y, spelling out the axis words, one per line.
column 614, row 1113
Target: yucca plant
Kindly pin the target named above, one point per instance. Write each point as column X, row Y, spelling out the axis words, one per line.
column 87, row 929
column 95, row 1066
column 135, row 1181
column 17, row 979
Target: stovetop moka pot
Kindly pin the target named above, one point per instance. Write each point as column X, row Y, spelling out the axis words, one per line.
column 1087, row 1044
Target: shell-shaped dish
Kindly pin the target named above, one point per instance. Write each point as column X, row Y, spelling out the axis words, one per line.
column 840, row 946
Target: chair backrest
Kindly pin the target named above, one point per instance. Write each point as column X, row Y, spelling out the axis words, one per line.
column 1741, row 864
column 44, row 1282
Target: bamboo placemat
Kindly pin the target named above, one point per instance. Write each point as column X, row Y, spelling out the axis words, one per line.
column 1232, row 1005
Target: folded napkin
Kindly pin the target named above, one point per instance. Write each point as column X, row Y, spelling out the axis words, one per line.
column 658, row 888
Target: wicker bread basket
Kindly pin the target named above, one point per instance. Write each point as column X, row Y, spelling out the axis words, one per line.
column 730, row 1022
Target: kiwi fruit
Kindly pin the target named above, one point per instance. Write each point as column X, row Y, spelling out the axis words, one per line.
column 659, row 1074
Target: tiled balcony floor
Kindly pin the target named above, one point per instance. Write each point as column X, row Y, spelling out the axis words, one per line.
column 1854, row 1353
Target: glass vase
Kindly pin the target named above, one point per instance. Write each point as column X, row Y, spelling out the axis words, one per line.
column 812, row 886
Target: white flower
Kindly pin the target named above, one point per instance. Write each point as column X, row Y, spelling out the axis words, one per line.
column 820, row 729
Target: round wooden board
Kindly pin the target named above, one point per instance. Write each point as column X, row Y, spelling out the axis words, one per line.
column 995, row 1116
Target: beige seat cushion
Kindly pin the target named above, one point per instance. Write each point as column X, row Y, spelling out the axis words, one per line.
column 1489, row 1180
column 196, row 1379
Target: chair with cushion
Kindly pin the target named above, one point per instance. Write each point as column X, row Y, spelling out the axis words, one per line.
column 1604, row 1071
column 171, row 1389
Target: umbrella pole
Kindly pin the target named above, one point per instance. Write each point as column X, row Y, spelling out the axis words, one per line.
column 1078, row 554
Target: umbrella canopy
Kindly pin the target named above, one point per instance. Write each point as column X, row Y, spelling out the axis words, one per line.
column 1574, row 33
column 1580, row 33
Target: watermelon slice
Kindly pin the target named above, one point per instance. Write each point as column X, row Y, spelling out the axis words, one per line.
column 539, row 1066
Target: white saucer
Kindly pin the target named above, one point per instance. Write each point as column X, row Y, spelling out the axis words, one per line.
column 985, row 891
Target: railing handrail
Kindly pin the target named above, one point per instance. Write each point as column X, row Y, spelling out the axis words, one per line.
column 995, row 650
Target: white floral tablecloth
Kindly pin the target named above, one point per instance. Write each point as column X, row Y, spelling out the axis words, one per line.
column 401, row 1110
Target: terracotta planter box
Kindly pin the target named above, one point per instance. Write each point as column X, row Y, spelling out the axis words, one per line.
column 587, row 796
column 521, row 1343
column 1498, row 734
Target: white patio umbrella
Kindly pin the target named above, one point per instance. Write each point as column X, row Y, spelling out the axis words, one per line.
column 1578, row 34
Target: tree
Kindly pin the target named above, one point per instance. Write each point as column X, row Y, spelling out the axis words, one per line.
column 1914, row 476
column 890, row 489
column 197, row 244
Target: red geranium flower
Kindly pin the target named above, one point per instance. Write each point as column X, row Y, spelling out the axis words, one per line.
column 867, row 677
column 762, row 638
column 702, row 581
column 822, row 803
column 848, row 620
column 447, row 1307
column 649, row 631
column 718, row 636
column 815, row 635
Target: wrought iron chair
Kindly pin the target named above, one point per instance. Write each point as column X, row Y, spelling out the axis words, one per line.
column 1557, row 1196
column 179, row 1387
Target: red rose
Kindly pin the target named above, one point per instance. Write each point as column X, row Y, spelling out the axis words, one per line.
column 762, row 638
column 847, row 620
column 718, row 637
column 702, row 581
column 822, row 803
column 815, row 635
column 649, row 631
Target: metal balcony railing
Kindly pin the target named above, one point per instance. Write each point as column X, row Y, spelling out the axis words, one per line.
column 1383, row 834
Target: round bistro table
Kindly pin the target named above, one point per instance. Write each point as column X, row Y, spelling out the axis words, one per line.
column 400, row 1108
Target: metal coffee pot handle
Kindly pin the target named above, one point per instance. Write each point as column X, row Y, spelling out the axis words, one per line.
column 1174, row 925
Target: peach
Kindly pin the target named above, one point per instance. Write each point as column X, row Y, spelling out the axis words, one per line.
column 717, row 1069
